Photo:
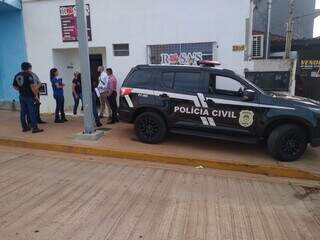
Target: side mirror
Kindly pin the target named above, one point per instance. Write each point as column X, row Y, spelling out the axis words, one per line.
column 249, row 95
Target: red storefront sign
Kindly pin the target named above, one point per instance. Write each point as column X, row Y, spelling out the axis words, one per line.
column 68, row 16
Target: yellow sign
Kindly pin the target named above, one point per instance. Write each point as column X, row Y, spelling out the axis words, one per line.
column 310, row 63
column 238, row 48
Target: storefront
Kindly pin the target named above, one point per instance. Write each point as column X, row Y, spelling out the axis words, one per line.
column 124, row 34
column 12, row 49
column 308, row 71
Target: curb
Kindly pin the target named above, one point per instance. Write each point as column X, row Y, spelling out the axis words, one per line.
column 268, row 170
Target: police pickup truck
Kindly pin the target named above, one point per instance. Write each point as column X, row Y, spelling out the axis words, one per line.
column 216, row 103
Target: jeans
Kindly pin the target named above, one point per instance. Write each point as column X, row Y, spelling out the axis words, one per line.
column 59, row 107
column 76, row 102
column 27, row 111
column 94, row 108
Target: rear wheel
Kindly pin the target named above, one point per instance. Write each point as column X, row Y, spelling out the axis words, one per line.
column 150, row 127
column 287, row 142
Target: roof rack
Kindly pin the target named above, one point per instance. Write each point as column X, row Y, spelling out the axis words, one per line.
column 208, row 63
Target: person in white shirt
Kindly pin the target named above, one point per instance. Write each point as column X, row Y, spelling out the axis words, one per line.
column 102, row 88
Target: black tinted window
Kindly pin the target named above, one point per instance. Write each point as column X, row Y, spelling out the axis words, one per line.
column 167, row 79
column 187, row 81
column 140, row 78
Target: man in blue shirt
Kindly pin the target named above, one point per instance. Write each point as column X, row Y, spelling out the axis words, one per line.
column 25, row 84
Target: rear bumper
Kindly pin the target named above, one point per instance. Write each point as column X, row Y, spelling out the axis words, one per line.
column 126, row 115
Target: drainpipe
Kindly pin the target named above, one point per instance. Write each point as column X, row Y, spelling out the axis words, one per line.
column 252, row 6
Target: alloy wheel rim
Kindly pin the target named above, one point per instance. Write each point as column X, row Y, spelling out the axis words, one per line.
column 291, row 144
column 148, row 127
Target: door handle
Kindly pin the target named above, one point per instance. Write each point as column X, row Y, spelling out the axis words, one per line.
column 164, row 96
column 210, row 101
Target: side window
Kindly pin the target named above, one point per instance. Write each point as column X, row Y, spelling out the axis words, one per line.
column 140, row 79
column 187, row 81
column 225, row 85
column 167, row 79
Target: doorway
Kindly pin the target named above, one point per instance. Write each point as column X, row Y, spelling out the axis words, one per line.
column 95, row 62
column 67, row 61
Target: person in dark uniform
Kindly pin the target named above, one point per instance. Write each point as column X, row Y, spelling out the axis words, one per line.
column 25, row 84
column 76, row 92
column 112, row 95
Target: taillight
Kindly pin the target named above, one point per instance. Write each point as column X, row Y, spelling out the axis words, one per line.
column 125, row 91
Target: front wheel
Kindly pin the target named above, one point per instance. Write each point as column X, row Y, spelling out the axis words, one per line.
column 150, row 127
column 287, row 142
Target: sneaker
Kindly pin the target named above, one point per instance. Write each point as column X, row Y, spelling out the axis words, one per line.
column 26, row 129
column 99, row 124
column 37, row 130
column 58, row 121
column 64, row 120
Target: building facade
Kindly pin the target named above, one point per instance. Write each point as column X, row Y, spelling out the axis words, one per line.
column 304, row 15
column 123, row 34
column 12, row 49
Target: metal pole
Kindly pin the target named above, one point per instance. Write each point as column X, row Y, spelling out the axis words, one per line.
column 84, row 66
column 289, row 30
column 252, row 6
column 268, row 29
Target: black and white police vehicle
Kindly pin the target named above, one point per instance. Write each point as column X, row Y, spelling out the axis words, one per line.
column 216, row 103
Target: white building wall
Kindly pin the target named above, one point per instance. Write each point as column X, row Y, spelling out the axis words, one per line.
column 139, row 23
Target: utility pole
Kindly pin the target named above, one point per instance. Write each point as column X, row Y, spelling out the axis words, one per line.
column 289, row 30
column 84, row 67
column 268, row 29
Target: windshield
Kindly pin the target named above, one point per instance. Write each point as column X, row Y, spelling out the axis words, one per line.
column 251, row 84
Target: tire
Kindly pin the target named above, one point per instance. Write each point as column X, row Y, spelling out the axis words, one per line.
column 150, row 128
column 287, row 142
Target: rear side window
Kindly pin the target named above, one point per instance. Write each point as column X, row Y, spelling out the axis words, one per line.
column 140, row 79
column 187, row 81
column 167, row 79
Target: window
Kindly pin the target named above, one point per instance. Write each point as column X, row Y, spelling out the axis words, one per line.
column 224, row 85
column 180, row 53
column 121, row 49
column 270, row 81
column 140, row 78
column 257, row 46
column 187, row 81
column 167, row 79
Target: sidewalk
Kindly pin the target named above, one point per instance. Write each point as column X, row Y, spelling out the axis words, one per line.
column 119, row 141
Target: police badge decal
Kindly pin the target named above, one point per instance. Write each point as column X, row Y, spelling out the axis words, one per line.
column 246, row 118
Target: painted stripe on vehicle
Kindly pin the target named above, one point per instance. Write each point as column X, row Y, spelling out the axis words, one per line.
column 202, row 100
column 211, row 122
column 247, row 104
column 128, row 99
column 204, row 121
column 193, row 98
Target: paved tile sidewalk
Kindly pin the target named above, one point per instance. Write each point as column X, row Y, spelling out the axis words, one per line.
column 62, row 196
column 121, row 137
